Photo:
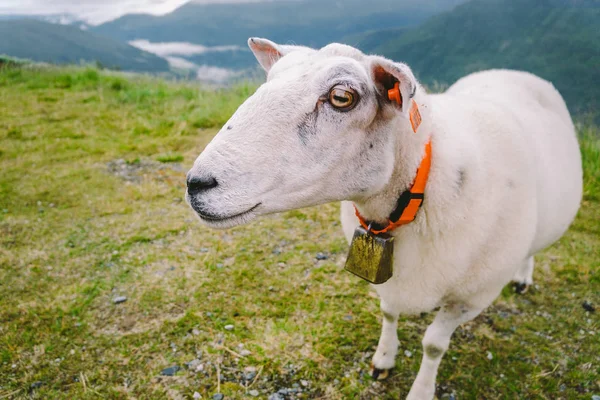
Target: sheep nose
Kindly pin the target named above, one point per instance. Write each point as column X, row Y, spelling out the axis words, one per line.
column 198, row 184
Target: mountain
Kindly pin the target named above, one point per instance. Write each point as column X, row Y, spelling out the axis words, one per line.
column 308, row 22
column 558, row 40
column 65, row 44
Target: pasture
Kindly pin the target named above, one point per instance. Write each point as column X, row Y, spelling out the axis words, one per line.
column 110, row 288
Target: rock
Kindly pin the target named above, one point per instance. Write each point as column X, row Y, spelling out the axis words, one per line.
column 119, row 299
column 249, row 375
column 322, row 256
column 170, row 371
column 36, row 385
column 490, row 356
column 193, row 364
column 304, row 383
column 253, row 393
column 197, row 395
column 408, row 353
column 563, row 387
column 587, row 306
column 276, row 396
column 595, row 397
column 245, row 353
column 218, row 396
column 229, row 327
column 347, row 317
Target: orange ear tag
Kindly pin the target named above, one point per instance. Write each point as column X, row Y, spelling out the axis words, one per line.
column 414, row 114
column 394, row 94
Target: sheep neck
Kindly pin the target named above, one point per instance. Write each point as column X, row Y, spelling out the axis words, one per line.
column 410, row 153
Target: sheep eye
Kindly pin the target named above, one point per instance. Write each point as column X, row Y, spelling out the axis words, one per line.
column 343, row 98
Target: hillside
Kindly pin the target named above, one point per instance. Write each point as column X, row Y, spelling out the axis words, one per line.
column 557, row 40
column 62, row 44
column 92, row 210
column 308, row 22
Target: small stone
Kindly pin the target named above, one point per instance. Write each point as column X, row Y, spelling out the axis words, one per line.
column 347, row 317
column 36, row 385
column 276, row 396
column 254, row 393
column 563, row 387
column 218, row 396
column 195, row 332
column 595, row 397
column 407, row 353
column 208, row 314
column 245, row 352
column 197, row 395
column 322, row 256
column 304, row 383
column 170, row 371
column 490, row 356
column 229, row 327
column 193, row 364
column 119, row 299
column 250, row 375
column 204, row 250
column 587, row 306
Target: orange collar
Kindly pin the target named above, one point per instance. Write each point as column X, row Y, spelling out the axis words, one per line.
column 409, row 202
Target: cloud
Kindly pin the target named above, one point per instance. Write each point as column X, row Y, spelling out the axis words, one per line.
column 91, row 11
column 164, row 49
column 99, row 11
column 205, row 73
column 182, row 63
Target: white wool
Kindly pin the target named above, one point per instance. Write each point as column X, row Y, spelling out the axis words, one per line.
column 505, row 179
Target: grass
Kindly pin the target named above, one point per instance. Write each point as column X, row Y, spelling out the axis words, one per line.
column 75, row 234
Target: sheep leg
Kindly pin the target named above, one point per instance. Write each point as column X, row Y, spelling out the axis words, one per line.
column 435, row 343
column 385, row 355
column 523, row 279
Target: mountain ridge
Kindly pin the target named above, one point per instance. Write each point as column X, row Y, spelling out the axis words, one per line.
column 65, row 44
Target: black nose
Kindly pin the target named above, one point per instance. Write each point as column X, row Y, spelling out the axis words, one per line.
column 197, row 184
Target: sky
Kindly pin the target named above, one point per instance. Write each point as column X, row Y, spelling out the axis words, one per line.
column 97, row 11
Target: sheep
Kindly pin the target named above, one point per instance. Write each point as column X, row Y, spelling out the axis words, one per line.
column 504, row 182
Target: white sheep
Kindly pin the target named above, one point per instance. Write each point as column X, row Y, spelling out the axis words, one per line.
column 505, row 178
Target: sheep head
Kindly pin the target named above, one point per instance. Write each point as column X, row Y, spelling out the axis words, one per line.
column 320, row 129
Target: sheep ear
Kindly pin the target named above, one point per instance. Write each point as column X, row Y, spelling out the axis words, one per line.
column 386, row 73
column 268, row 53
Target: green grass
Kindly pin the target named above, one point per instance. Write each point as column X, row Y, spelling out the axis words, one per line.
column 75, row 234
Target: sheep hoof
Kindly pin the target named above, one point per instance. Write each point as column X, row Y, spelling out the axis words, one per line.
column 379, row 374
column 521, row 287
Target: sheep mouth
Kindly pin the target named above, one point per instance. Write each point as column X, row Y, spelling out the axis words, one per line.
column 219, row 219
